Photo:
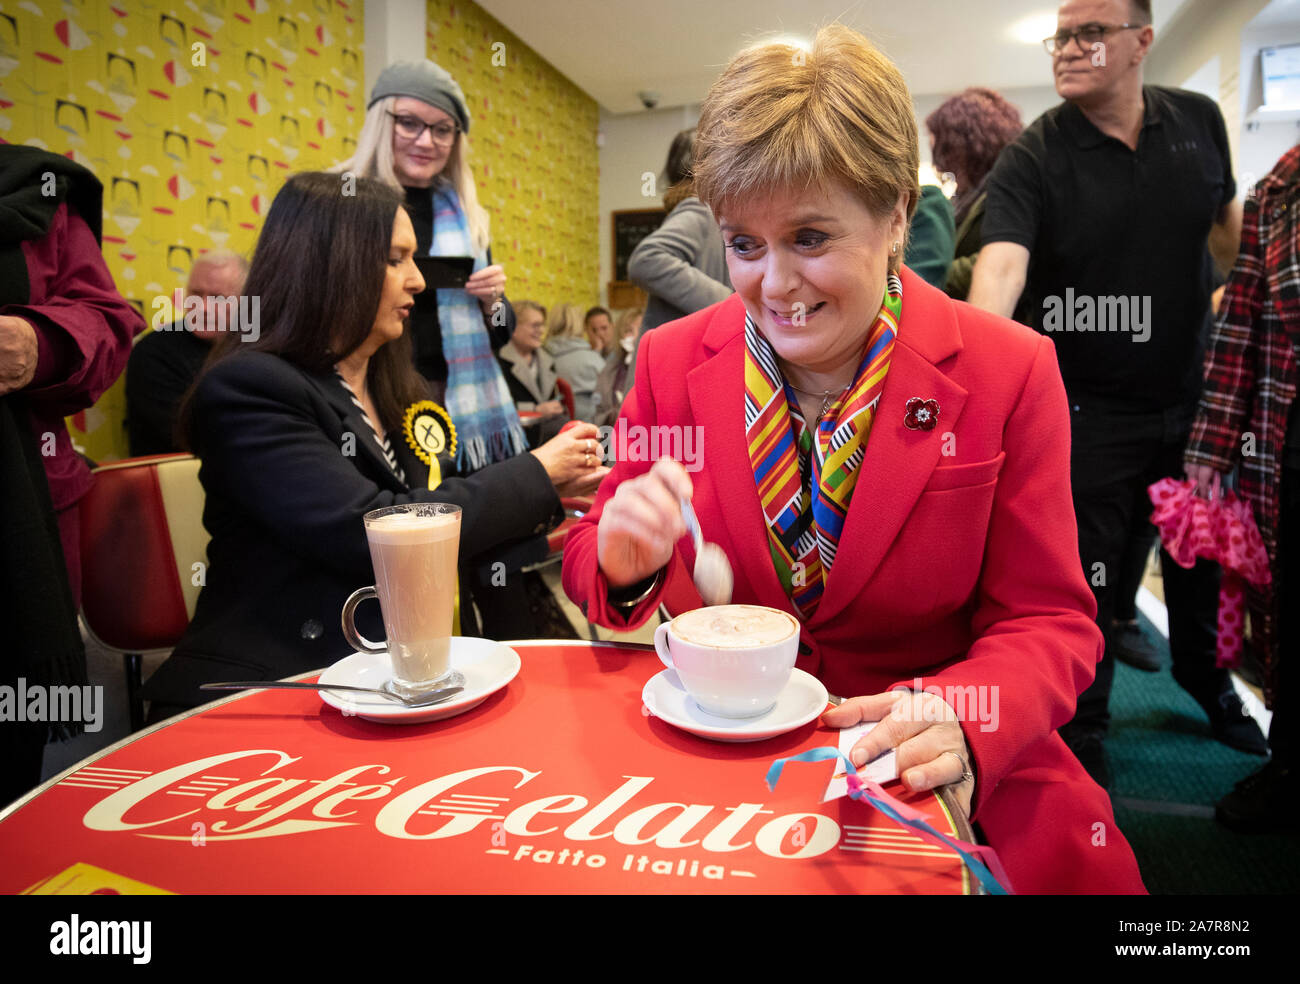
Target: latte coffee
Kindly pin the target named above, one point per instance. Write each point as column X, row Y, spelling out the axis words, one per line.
column 734, row 626
column 734, row 660
column 413, row 549
column 415, row 575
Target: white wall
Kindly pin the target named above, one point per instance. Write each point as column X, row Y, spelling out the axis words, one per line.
column 632, row 144
column 395, row 32
column 1262, row 143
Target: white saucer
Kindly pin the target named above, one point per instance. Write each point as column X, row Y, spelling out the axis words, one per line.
column 803, row 700
column 486, row 665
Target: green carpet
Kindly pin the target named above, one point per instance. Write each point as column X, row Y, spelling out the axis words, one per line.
column 1167, row 773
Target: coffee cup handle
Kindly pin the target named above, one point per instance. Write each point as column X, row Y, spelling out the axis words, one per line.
column 355, row 639
column 661, row 646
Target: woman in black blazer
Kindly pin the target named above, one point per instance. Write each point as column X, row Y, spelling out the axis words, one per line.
column 299, row 426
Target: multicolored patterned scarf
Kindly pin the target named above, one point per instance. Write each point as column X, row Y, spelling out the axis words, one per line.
column 477, row 396
column 790, row 459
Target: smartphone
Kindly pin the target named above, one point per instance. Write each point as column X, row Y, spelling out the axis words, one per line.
column 445, row 271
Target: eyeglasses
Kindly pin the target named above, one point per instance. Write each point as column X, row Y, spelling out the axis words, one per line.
column 412, row 128
column 1085, row 36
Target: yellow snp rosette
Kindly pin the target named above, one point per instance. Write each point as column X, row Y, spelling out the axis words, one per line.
column 431, row 435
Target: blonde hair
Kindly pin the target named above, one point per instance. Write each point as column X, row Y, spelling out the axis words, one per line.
column 625, row 319
column 373, row 158
column 522, row 306
column 565, row 321
column 781, row 117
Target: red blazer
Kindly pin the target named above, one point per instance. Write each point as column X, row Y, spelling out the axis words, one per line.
column 958, row 564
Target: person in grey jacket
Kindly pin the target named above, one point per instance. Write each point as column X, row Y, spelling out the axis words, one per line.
column 681, row 264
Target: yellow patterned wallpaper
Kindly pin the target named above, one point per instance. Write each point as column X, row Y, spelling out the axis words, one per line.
column 192, row 114
column 535, row 157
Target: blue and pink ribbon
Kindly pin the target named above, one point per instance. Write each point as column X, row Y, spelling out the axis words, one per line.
column 988, row 870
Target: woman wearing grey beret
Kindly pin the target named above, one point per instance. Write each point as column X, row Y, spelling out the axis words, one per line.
column 415, row 138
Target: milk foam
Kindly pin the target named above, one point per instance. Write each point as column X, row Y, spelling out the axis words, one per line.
column 405, row 527
column 734, row 626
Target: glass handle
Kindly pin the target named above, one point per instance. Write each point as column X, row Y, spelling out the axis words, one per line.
column 355, row 639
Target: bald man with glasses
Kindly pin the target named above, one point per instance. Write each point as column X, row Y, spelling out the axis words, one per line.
column 1108, row 214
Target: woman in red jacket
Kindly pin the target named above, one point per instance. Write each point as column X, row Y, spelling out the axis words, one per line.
column 888, row 466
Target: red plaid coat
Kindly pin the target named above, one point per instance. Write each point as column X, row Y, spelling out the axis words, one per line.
column 1250, row 375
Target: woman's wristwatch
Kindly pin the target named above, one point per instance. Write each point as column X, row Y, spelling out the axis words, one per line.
column 626, row 599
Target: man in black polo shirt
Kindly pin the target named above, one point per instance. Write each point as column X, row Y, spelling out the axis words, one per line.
column 165, row 362
column 1104, row 213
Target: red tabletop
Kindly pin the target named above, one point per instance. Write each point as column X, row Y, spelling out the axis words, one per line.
column 560, row 783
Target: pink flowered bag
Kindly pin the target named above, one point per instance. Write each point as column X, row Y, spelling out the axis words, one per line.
column 1224, row 531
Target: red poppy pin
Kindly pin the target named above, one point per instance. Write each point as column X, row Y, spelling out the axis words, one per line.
column 921, row 414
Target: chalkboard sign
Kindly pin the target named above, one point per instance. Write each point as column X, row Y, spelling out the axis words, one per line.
column 630, row 227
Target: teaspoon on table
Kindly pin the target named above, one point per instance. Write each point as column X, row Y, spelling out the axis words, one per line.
column 418, row 700
column 712, row 574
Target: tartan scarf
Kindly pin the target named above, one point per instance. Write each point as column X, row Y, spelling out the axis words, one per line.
column 790, row 459
column 487, row 425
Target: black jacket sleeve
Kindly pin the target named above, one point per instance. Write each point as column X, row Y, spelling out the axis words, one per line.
column 161, row 370
column 275, row 449
column 153, row 392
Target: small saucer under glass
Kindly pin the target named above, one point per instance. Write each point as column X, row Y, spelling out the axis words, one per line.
column 486, row 666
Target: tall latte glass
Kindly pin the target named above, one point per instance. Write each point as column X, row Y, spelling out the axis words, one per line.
column 413, row 548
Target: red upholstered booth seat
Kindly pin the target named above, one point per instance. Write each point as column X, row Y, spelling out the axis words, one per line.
column 142, row 542
column 566, row 396
column 574, row 509
column 132, row 597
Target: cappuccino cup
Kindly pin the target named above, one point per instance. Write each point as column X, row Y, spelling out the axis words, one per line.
column 734, row 660
column 413, row 548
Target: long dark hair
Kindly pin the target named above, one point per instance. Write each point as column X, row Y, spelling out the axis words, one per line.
column 318, row 274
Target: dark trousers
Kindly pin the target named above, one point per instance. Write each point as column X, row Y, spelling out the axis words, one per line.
column 23, row 744
column 1282, row 732
column 504, row 610
column 1115, row 455
column 1132, row 569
